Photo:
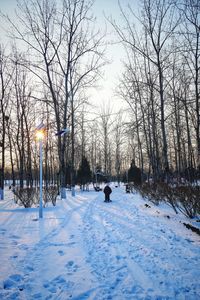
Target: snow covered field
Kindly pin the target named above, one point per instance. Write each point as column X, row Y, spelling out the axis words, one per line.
column 87, row 249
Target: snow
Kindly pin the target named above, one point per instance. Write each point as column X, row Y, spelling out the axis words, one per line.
column 87, row 249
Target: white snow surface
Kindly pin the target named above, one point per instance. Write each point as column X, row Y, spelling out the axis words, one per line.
column 84, row 248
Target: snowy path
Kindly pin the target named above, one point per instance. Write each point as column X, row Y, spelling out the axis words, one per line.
column 137, row 254
column 87, row 249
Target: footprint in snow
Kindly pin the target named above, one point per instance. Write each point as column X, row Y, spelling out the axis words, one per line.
column 61, row 252
column 23, row 247
column 71, row 267
column 2, row 231
column 13, row 236
column 29, row 269
column 136, row 289
column 14, row 256
column 52, row 289
column 12, row 281
column 14, row 243
column 37, row 296
column 118, row 257
column 70, row 263
column 16, row 277
column 58, row 282
column 71, row 244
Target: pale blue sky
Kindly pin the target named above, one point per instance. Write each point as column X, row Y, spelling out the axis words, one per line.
column 115, row 53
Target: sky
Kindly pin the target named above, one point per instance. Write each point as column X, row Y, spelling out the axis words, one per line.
column 105, row 93
column 84, row 248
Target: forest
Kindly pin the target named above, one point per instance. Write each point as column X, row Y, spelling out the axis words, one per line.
column 57, row 54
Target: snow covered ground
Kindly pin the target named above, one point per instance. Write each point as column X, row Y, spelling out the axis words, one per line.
column 87, row 249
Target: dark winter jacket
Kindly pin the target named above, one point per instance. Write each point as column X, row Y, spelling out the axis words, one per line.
column 107, row 190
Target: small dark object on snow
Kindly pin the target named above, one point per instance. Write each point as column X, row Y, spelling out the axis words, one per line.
column 147, row 205
column 97, row 188
column 107, row 191
column 168, row 217
column 194, row 229
column 128, row 188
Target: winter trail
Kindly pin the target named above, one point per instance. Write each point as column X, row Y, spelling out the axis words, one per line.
column 121, row 235
column 87, row 249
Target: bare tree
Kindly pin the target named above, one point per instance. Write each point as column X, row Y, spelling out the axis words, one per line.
column 190, row 50
column 5, row 90
column 66, row 55
column 118, row 133
column 158, row 23
column 106, row 124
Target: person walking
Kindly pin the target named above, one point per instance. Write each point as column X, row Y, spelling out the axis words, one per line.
column 107, row 191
